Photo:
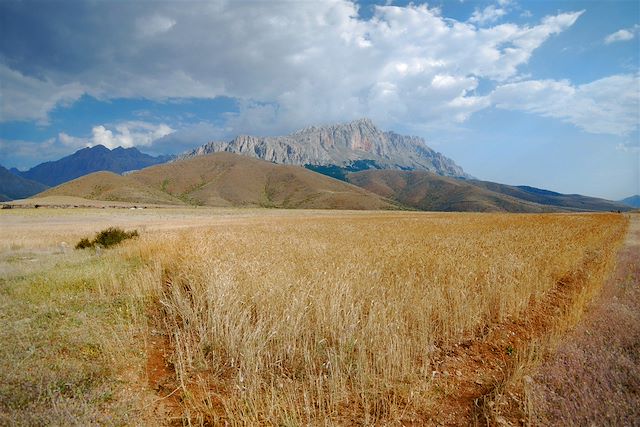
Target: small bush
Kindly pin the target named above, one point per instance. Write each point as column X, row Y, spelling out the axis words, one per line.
column 107, row 237
column 84, row 243
column 112, row 236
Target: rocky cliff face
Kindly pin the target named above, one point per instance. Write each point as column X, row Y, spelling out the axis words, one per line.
column 341, row 145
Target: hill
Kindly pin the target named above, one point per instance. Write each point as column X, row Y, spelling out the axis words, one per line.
column 573, row 202
column 108, row 186
column 339, row 145
column 15, row 187
column 226, row 179
column 633, row 201
column 430, row 192
column 88, row 160
column 223, row 179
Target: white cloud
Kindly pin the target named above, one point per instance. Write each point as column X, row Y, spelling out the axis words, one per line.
column 624, row 34
column 72, row 141
column 24, row 97
column 125, row 134
column 291, row 64
column 609, row 106
column 488, row 15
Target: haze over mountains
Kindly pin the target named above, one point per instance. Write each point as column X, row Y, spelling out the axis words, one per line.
column 633, row 201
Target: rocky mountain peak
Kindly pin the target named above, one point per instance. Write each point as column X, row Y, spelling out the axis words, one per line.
column 340, row 145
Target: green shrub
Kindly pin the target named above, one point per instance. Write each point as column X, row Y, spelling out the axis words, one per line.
column 84, row 243
column 107, row 237
column 112, row 236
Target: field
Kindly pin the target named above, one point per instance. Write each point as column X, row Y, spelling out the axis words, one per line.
column 276, row 317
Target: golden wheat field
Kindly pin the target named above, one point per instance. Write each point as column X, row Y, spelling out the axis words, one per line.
column 271, row 317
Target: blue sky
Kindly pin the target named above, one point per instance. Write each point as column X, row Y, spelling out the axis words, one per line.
column 542, row 93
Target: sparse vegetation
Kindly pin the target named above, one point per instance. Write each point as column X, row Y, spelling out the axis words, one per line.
column 107, row 238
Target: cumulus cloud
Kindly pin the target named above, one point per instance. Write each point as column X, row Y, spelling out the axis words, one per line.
column 188, row 138
column 610, row 105
column 624, row 34
column 288, row 64
column 125, row 134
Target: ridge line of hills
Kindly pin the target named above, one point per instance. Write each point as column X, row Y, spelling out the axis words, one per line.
column 373, row 170
column 228, row 179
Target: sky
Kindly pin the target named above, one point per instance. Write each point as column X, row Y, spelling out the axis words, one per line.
column 540, row 93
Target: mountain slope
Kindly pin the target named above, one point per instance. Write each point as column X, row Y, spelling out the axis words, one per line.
column 633, row 201
column 340, row 145
column 427, row 191
column 15, row 187
column 574, row 202
column 109, row 186
column 226, row 179
column 88, row 160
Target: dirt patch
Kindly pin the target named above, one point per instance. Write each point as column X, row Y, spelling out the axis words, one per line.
column 161, row 379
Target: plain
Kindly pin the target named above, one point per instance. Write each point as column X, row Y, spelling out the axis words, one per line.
column 278, row 317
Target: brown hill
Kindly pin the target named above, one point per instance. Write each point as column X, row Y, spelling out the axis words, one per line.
column 571, row 202
column 427, row 191
column 112, row 187
column 226, row 179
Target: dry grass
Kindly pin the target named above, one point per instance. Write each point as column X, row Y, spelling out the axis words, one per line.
column 594, row 379
column 272, row 317
column 299, row 321
column 109, row 186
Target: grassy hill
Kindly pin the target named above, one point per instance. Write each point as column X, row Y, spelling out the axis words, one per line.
column 428, row 191
column 226, row 179
column 223, row 179
column 111, row 187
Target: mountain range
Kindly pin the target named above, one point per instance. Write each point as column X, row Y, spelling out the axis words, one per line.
column 88, row 160
column 374, row 170
column 339, row 145
column 427, row 191
column 15, row 187
column 633, row 201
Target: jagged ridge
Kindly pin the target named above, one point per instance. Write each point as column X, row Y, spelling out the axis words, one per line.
column 341, row 145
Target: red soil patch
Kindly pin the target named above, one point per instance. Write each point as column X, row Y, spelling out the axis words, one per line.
column 161, row 378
